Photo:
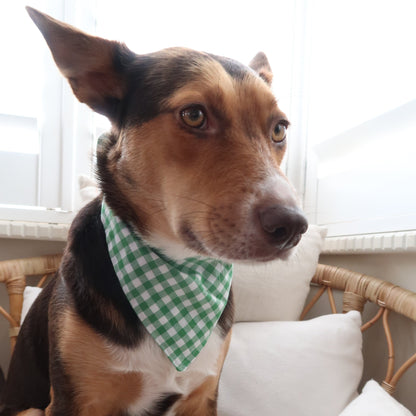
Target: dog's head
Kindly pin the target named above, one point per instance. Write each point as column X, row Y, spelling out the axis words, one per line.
column 194, row 153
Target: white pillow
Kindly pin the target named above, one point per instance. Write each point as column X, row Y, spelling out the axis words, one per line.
column 88, row 189
column 29, row 295
column 277, row 290
column 375, row 401
column 305, row 368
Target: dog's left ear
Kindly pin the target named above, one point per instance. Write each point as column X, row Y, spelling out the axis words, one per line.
column 261, row 65
column 91, row 64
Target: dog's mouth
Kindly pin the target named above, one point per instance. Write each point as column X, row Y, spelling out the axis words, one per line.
column 257, row 242
column 191, row 240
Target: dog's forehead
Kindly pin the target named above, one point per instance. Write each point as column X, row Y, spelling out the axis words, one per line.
column 162, row 77
column 222, row 81
column 199, row 75
column 194, row 62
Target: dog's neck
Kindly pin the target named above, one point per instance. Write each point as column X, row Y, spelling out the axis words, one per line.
column 171, row 249
column 179, row 302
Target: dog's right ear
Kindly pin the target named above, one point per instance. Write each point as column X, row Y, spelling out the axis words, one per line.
column 88, row 62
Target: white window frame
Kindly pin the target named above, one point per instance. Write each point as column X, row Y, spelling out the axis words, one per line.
column 66, row 142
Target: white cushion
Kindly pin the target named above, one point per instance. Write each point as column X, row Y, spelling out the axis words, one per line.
column 277, row 290
column 88, row 189
column 29, row 295
column 375, row 401
column 292, row 368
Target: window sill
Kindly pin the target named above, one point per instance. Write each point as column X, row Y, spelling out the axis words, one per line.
column 33, row 230
column 396, row 242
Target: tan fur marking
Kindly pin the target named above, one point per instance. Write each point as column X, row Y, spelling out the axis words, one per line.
column 198, row 401
column 99, row 391
column 48, row 409
column 212, row 78
column 31, row 412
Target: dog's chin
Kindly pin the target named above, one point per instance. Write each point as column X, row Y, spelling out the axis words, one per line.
column 175, row 250
column 255, row 257
column 259, row 253
column 190, row 245
column 278, row 255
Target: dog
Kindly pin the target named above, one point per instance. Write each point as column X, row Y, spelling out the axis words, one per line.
column 190, row 174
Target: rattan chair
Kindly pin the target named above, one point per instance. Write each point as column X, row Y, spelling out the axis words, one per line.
column 13, row 274
column 358, row 289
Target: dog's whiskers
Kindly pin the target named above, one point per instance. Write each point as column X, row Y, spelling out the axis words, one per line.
column 195, row 200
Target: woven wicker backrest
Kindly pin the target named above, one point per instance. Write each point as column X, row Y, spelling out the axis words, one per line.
column 13, row 274
column 358, row 289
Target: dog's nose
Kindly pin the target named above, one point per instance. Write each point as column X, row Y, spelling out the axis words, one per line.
column 284, row 224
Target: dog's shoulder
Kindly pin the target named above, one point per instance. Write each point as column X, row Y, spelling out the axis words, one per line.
column 88, row 275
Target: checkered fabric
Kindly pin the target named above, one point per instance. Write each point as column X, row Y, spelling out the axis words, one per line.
column 179, row 302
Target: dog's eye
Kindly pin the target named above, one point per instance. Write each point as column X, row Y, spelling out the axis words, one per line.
column 279, row 133
column 193, row 117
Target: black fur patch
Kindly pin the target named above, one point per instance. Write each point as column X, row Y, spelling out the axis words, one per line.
column 28, row 377
column 227, row 317
column 114, row 197
column 2, row 380
column 90, row 278
column 233, row 68
column 155, row 77
column 164, row 404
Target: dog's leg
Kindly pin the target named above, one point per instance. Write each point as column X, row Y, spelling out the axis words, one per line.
column 80, row 368
column 203, row 400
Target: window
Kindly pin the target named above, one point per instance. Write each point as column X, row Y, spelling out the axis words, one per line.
column 44, row 134
column 19, row 107
column 360, row 116
column 55, row 134
column 343, row 73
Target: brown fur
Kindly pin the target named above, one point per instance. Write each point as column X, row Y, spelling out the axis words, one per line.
column 88, row 360
column 100, row 391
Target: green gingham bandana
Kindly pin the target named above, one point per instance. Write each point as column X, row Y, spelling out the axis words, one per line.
column 178, row 302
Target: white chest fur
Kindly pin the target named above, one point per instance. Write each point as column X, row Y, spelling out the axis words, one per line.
column 160, row 376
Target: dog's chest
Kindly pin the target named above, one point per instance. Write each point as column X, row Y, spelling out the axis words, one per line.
column 160, row 378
